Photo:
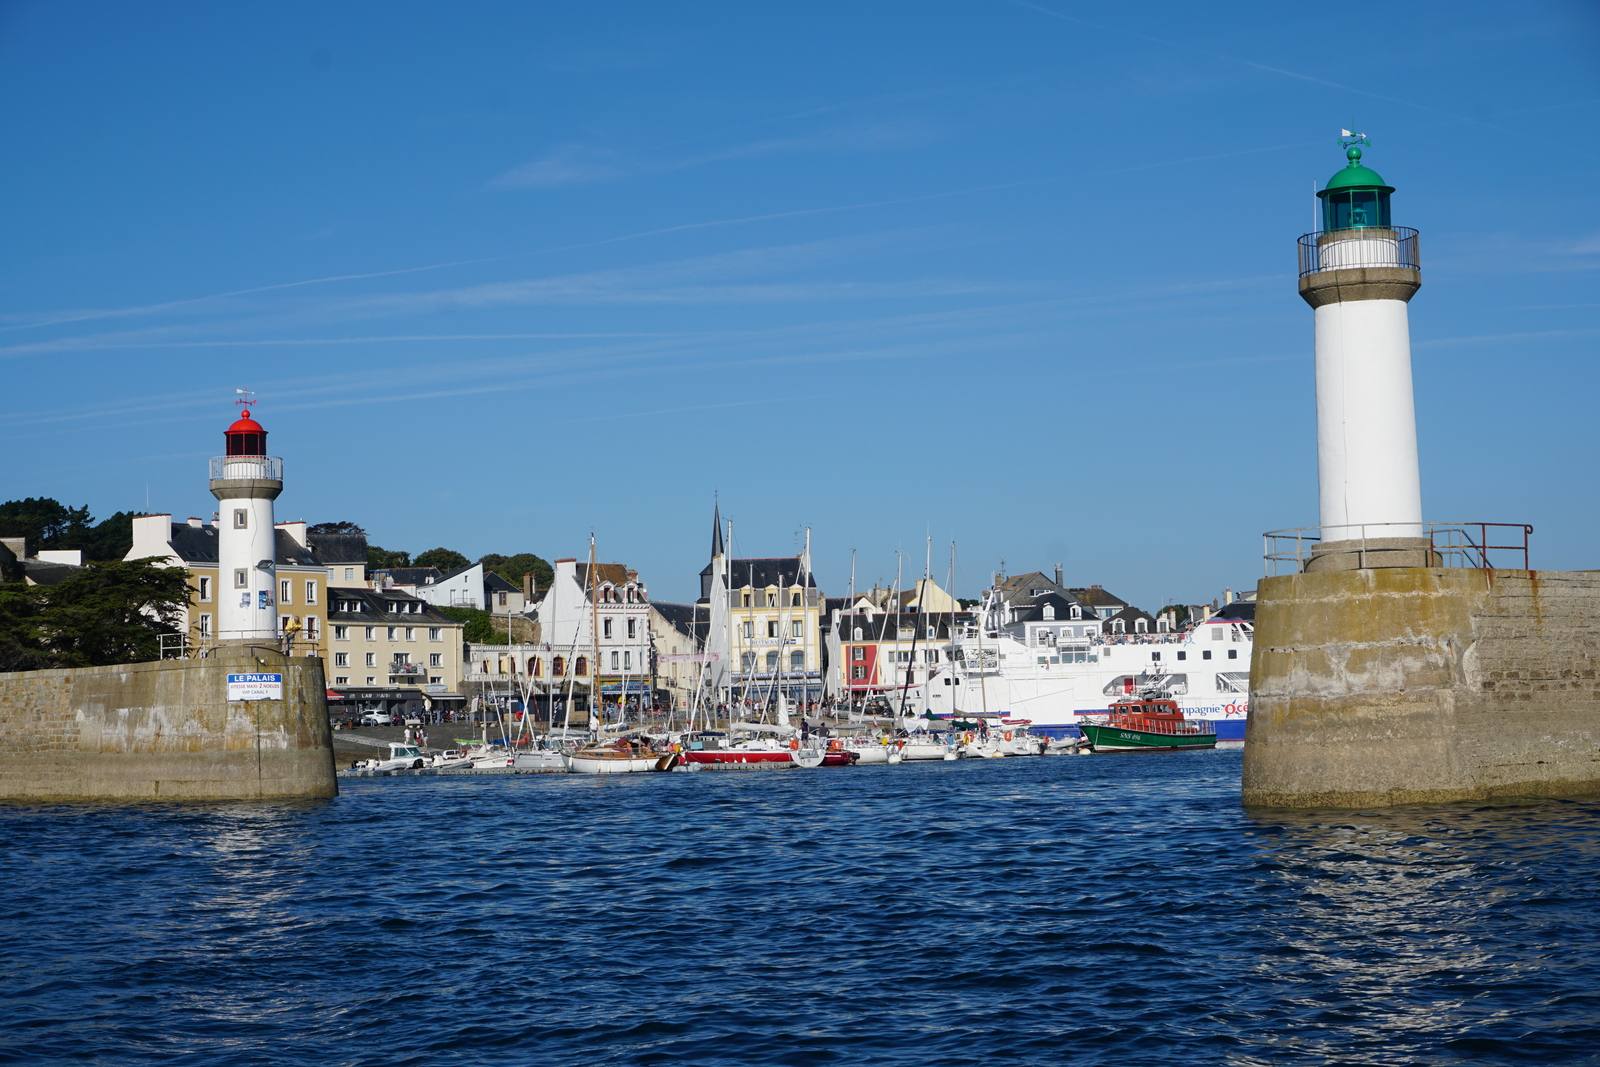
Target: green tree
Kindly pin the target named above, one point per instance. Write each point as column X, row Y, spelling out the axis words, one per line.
column 512, row 568
column 43, row 521
column 21, row 643
column 110, row 539
column 442, row 558
column 478, row 629
column 47, row 523
column 113, row 612
column 382, row 559
column 336, row 528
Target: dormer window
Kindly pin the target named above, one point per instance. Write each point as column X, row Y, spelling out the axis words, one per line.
column 1077, row 612
column 1049, row 611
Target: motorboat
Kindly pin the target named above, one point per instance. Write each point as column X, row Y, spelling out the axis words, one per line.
column 1151, row 723
column 928, row 747
column 869, row 749
column 401, row 757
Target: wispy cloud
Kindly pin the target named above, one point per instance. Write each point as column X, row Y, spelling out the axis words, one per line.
column 1494, row 338
column 1212, row 54
column 566, row 165
column 572, row 164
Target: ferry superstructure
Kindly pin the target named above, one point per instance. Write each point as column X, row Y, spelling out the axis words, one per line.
column 1053, row 672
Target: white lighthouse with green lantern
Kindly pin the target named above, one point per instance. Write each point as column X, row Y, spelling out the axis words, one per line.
column 1358, row 272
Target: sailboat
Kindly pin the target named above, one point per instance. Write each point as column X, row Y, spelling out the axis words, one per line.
column 626, row 754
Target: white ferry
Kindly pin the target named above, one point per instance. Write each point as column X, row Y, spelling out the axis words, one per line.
column 1050, row 672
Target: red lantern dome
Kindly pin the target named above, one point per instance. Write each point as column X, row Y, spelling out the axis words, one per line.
column 246, row 437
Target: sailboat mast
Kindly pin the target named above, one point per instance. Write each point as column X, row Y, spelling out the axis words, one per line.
column 596, row 705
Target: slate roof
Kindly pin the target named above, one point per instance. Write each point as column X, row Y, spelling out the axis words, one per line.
column 782, row 571
column 1128, row 615
column 198, row 544
column 375, row 608
column 341, row 548
column 685, row 618
column 40, row 572
column 615, row 573
column 412, row 575
column 494, row 583
column 1063, row 605
column 1096, row 597
column 886, row 627
column 1238, row 612
column 1019, row 589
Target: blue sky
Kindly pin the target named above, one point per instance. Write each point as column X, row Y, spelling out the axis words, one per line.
column 1015, row 275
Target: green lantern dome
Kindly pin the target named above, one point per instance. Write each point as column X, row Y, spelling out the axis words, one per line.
column 1355, row 198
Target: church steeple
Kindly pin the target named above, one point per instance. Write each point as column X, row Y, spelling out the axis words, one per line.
column 716, row 531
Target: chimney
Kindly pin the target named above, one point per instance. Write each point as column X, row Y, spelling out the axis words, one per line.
column 633, row 575
column 195, row 522
column 1227, row 595
column 1058, row 574
column 296, row 530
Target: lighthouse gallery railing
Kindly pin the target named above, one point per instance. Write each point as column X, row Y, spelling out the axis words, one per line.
column 255, row 468
column 1372, row 246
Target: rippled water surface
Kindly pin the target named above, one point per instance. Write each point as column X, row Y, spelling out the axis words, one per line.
column 1109, row 909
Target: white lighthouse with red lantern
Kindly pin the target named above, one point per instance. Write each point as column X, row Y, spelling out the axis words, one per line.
column 245, row 481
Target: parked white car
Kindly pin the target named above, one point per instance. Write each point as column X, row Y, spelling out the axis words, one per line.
column 377, row 718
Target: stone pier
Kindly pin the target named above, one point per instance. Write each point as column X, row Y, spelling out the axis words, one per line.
column 166, row 731
column 1398, row 685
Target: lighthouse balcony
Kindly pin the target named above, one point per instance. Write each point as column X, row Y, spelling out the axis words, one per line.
column 247, row 468
column 1358, row 248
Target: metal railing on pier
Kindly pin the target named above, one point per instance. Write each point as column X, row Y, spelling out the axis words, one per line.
column 1387, row 246
column 1450, row 544
column 183, row 646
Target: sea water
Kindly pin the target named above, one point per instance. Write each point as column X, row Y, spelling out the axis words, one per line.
column 1114, row 909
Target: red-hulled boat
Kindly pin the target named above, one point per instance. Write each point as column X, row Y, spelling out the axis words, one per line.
column 758, row 752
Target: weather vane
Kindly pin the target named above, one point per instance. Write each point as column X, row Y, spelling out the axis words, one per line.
column 247, row 397
column 1348, row 139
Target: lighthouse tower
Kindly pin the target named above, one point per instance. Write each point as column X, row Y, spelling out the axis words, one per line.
column 245, row 481
column 1358, row 272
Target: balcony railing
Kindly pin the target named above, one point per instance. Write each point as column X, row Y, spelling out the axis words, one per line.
column 253, row 468
column 1450, row 544
column 1388, row 246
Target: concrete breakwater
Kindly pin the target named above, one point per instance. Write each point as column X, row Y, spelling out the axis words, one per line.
column 167, row 730
column 1401, row 685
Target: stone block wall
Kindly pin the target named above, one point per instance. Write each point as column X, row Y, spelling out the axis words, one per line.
column 1412, row 684
column 166, row 730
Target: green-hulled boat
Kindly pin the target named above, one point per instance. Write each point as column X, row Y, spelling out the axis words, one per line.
column 1154, row 725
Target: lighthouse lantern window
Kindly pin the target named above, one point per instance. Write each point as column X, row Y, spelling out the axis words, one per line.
column 1355, row 209
column 247, row 444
